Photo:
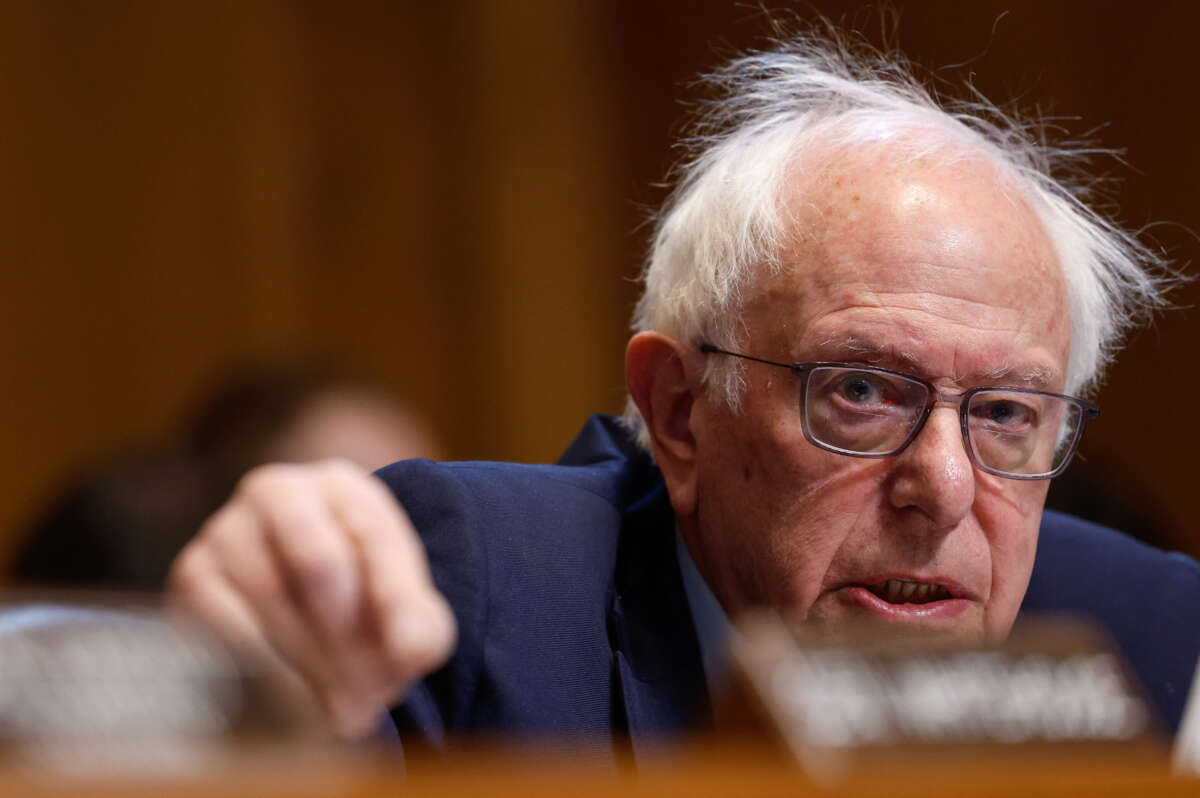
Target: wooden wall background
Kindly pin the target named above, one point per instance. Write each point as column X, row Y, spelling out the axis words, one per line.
column 447, row 198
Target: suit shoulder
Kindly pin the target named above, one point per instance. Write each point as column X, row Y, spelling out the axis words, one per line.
column 503, row 519
column 1147, row 599
column 421, row 482
column 1075, row 555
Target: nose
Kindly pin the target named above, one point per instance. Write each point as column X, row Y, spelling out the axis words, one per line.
column 934, row 475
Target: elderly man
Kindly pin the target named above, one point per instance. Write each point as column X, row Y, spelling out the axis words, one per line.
column 866, row 325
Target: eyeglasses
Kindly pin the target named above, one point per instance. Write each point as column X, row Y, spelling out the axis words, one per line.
column 863, row 411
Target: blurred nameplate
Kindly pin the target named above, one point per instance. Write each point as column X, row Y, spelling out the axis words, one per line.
column 93, row 687
column 1053, row 683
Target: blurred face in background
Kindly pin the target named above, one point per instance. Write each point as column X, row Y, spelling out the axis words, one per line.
column 358, row 426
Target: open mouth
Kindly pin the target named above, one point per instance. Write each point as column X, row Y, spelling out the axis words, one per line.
column 904, row 591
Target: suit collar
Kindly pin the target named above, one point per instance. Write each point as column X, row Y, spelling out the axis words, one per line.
column 657, row 668
column 656, row 652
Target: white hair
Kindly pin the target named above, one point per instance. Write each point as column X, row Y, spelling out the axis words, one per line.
column 725, row 221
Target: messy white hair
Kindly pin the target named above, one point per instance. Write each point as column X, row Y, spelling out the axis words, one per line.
column 726, row 222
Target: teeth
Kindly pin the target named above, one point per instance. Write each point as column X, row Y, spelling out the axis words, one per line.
column 904, row 591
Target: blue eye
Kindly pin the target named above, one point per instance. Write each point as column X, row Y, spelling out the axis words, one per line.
column 1004, row 413
column 860, row 389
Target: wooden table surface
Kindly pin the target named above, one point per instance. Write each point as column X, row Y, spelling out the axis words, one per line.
column 700, row 768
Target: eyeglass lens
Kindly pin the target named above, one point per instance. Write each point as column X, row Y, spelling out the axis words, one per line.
column 873, row 412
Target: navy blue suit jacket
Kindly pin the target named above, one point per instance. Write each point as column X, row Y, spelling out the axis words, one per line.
column 573, row 620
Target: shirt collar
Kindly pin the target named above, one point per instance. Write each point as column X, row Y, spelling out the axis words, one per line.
column 708, row 616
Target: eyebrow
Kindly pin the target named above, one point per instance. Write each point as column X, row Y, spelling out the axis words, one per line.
column 889, row 356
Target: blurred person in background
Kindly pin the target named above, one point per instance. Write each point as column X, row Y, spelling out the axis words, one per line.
column 119, row 523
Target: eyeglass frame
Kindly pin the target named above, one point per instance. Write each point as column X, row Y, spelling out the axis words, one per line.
column 1088, row 410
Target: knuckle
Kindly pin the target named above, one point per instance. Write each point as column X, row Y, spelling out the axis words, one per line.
column 265, row 591
column 313, row 559
column 226, row 527
column 265, row 479
column 441, row 644
column 254, row 482
column 382, row 494
column 341, row 469
column 448, row 628
column 421, row 661
column 423, row 640
column 188, row 573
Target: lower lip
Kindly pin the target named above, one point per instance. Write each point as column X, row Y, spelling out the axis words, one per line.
column 946, row 608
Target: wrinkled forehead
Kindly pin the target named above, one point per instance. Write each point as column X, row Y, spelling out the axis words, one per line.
column 942, row 240
column 835, row 190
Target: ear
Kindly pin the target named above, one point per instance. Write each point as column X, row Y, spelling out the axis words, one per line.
column 664, row 380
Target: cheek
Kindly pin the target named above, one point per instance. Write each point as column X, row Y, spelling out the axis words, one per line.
column 785, row 510
column 1010, row 513
column 1010, row 518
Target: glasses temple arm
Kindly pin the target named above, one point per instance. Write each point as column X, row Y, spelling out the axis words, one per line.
column 709, row 349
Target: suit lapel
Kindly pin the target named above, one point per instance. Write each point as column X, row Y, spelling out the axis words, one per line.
column 657, row 676
column 657, row 665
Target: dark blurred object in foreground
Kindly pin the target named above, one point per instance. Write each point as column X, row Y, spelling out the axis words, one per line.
column 119, row 524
